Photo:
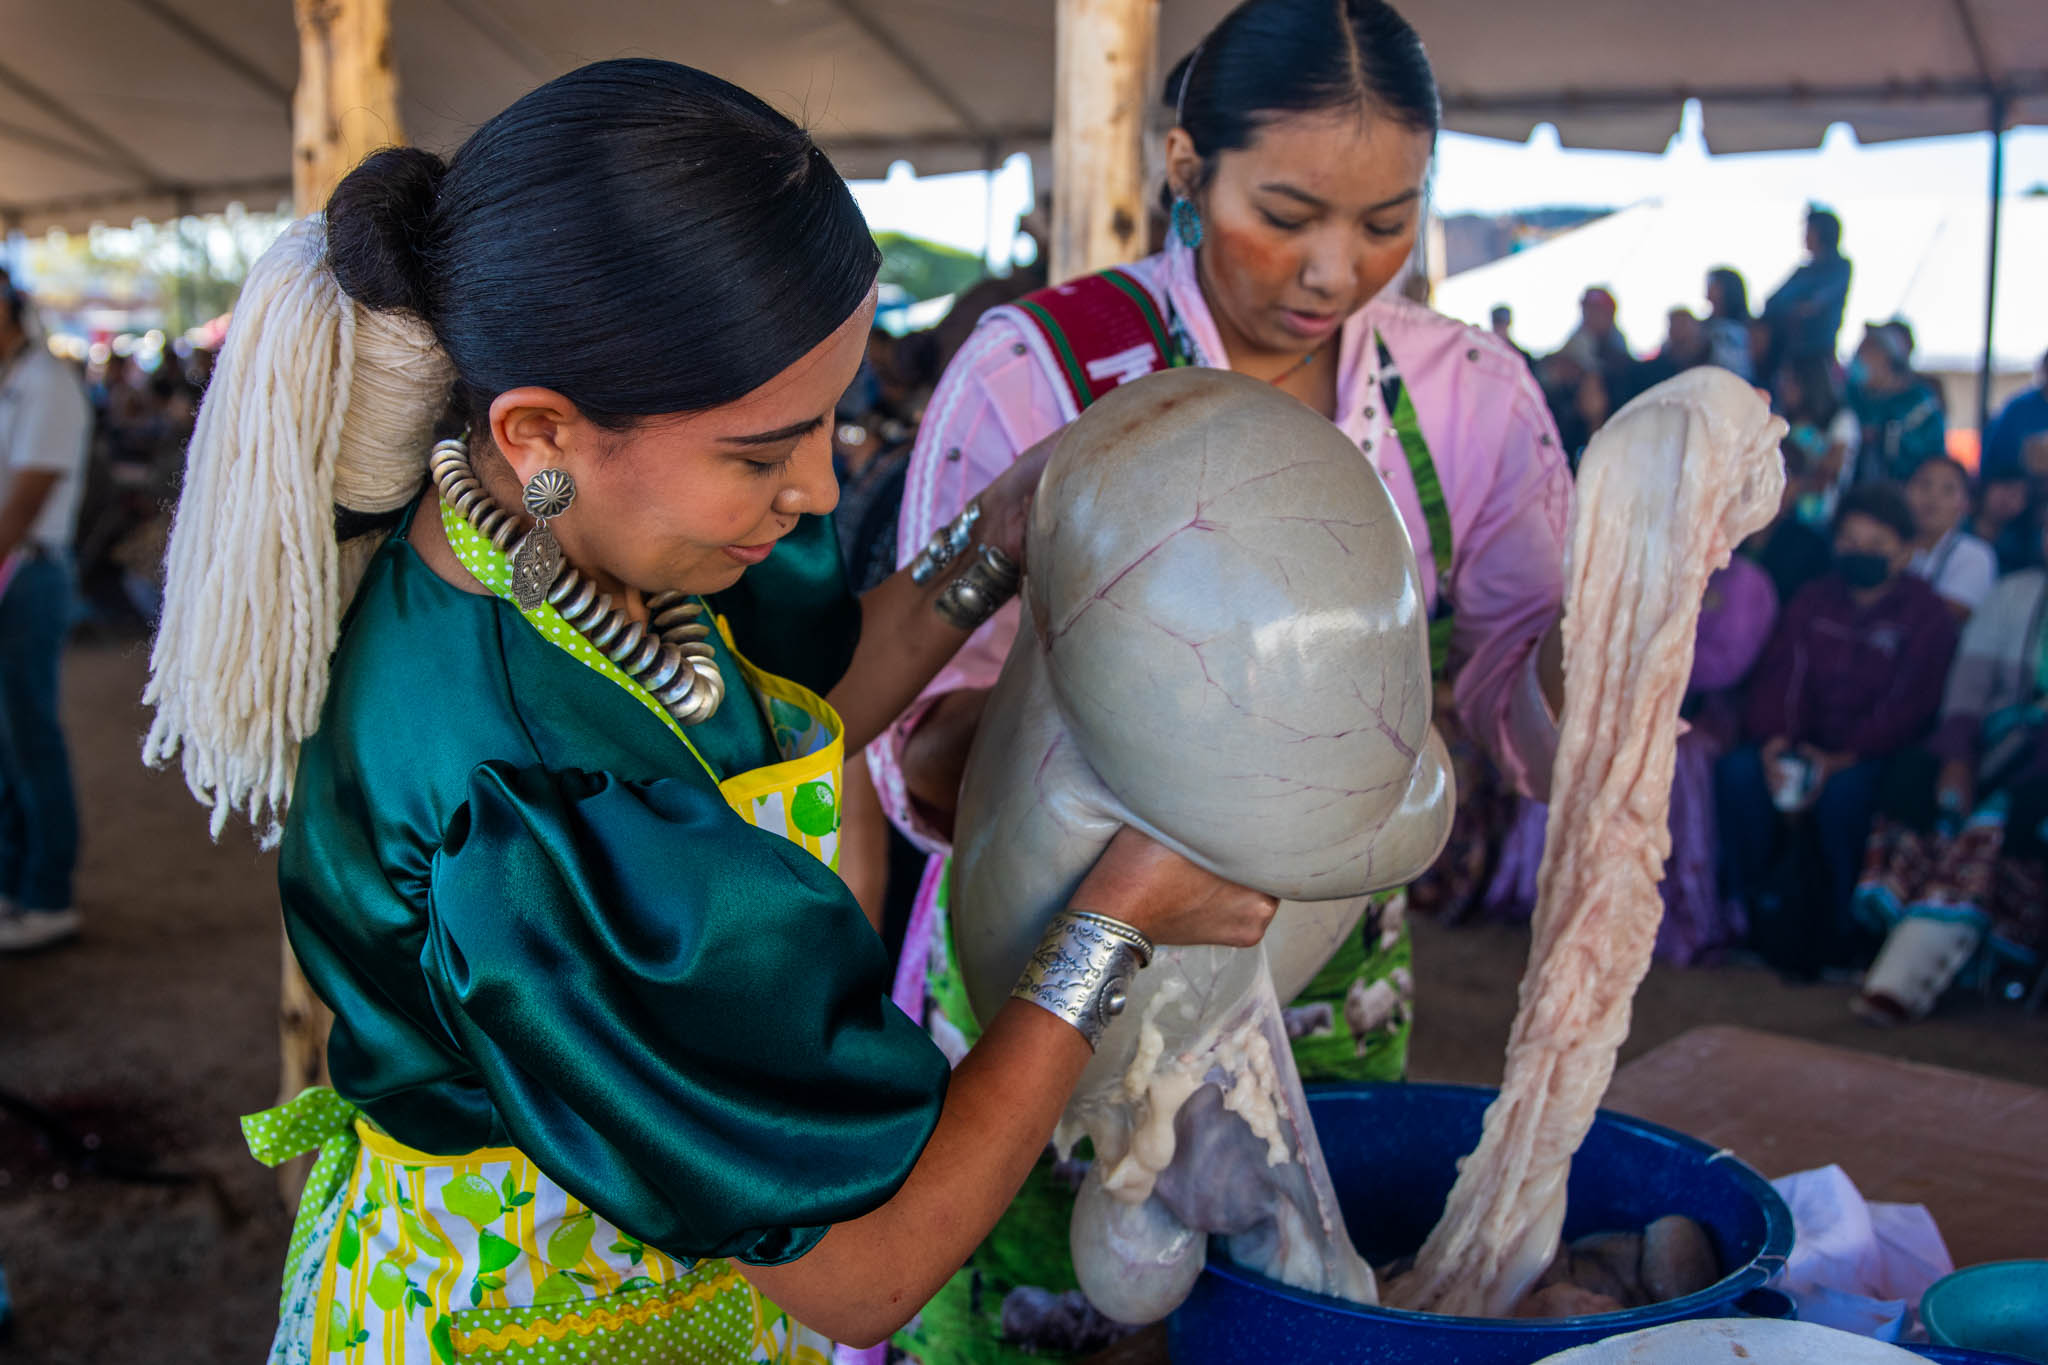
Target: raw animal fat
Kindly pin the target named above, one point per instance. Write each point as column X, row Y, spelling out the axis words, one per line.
column 1223, row 645
column 1670, row 486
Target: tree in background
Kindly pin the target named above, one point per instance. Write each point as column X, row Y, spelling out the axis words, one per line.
column 927, row 270
column 186, row 272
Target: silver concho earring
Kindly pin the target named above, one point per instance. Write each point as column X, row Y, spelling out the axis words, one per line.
column 537, row 559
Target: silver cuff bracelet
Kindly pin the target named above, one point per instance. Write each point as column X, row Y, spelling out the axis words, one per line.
column 989, row 580
column 945, row 545
column 1082, row 970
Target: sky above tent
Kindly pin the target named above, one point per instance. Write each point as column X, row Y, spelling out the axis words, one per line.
column 1483, row 175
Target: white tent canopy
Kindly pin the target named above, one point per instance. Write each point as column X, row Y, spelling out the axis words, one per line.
column 113, row 109
column 1920, row 259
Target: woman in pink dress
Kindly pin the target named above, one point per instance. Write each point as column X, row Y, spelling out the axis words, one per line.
column 1296, row 175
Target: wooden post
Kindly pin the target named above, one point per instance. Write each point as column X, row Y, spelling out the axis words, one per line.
column 1102, row 86
column 346, row 106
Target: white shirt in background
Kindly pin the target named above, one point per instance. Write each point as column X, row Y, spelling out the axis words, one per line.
column 1959, row 566
column 45, row 423
column 1844, row 433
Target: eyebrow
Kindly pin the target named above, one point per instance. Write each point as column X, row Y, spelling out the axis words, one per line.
column 776, row 437
column 1292, row 192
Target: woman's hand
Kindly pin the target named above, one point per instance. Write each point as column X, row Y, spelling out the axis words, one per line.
column 1164, row 896
column 1006, row 502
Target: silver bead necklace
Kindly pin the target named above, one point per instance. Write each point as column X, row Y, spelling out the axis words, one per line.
column 673, row 660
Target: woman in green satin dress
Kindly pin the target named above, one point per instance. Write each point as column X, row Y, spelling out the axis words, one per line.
column 614, row 1070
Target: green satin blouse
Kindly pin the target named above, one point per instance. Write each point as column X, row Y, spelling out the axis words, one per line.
column 540, row 925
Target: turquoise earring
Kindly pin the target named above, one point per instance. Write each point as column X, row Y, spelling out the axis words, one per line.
column 1187, row 222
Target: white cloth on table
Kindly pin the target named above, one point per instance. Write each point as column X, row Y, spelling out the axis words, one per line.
column 1857, row 1266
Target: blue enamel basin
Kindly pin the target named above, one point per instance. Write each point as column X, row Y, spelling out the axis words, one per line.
column 1393, row 1153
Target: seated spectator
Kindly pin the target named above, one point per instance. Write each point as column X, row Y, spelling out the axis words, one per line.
column 2022, row 419
column 2001, row 520
column 1957, row 863
column 1578, row 402
column 1735, row 620
column 1728, row 322
column 1852, row 675
column 1961, row 567
column 1899, row 412
column 1685, row 345
column 1804, row 316
column 1826, row 433
column 1790, row 551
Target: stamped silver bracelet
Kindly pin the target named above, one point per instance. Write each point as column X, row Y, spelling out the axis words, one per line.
column 1082, row 970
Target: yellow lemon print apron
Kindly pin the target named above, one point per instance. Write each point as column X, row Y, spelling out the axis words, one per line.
column 401, row 1257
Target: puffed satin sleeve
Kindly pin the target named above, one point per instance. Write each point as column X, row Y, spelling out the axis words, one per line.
column 683, row 1020
column 793, row 613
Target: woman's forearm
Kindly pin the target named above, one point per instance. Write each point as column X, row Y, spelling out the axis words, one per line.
column 867, row 1277
column 904, row 642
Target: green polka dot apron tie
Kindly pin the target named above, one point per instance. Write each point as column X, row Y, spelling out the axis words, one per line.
column 402, row 1257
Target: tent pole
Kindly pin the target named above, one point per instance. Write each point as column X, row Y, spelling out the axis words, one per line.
column 1998, row 115
column 1101, row 83
column 346, row 106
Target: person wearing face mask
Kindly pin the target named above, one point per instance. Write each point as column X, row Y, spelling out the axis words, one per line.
column 1852, row 675
column 1961, row 567
column 1296, row 168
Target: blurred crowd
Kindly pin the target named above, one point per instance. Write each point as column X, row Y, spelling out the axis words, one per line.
column 1863, row 787
column 141, row 422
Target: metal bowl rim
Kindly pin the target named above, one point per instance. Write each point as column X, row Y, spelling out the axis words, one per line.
column 1754, row 1275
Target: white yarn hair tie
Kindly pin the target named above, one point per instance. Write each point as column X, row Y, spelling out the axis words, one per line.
column 315, row 400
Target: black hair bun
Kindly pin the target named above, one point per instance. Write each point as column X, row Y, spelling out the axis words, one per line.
column 380, row 225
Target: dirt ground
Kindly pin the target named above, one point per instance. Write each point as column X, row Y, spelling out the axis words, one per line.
column 151, row 1035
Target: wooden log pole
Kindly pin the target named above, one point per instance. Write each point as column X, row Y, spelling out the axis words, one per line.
column 346, row 106
column 1102, row 86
